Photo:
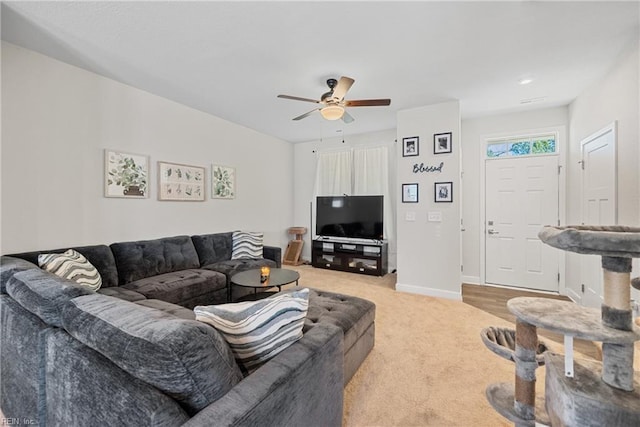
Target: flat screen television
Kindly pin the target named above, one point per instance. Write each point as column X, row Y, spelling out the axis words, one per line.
column 358, row 217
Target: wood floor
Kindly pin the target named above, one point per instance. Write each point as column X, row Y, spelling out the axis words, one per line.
column 494, row 300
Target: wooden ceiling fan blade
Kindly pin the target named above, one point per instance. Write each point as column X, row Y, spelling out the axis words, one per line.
column 305, row 114
column 297, row 98
column 367, row 102
column 344, row 84
column 347, row 118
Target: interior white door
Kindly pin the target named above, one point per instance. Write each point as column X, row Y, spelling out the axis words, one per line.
column 521, row 197
column 598, row 203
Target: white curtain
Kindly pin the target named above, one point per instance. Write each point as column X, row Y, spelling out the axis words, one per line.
column 371, row 177
column 358, row 172
column 334, row 174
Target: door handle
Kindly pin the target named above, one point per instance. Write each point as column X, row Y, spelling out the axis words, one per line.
column 491, row 231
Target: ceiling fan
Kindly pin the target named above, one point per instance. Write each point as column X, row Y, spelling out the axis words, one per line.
column 333, row 103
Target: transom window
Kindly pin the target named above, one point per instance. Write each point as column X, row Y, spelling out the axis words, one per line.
column 515, row 147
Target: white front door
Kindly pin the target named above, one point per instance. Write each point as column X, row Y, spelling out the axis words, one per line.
column 521, row 197
column 598, row 203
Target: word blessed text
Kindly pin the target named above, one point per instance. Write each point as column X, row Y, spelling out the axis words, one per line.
column 420, row 168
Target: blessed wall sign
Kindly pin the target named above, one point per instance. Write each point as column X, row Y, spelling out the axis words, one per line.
column 422, row 168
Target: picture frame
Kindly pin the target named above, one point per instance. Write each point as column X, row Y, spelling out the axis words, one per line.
column 442, row 143
column 410, row 193
column 443, row 192
column 178, row 182
column 126, row 175
column 410, row 146
column 223, row 182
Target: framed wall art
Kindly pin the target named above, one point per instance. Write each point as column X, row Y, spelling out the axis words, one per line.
column 223, row 182
column 443, row 192
column 409, row 193
column 410, row 146
column 442, row 143
column 180, row 182
column 126, row 174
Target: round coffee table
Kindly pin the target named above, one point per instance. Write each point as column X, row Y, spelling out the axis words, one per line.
column 278, row 277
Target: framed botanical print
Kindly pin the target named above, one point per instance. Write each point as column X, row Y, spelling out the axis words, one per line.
column 126, row 174
column 223, row 182
column 179, row 182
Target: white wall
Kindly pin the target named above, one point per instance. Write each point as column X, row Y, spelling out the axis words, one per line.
column 429, row 252
column 614, row 98
column 57, row 120
column 474, row 134
column 305, row 163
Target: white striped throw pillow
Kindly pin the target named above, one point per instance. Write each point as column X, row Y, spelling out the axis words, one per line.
column 258, row 330
column 73, row 266
column 246, row 245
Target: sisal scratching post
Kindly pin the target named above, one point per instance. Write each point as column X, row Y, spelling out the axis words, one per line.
column 517, row 402
column 526, row 364
column 617, row 359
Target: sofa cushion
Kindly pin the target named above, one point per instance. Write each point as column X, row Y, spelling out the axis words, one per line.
column 167, row 307
column 185, row 359
column 148, row 258
column 213, row 248
column 122, row 293
column 257, row 331
column 44, row 294
column 9, row 266
column 247, row 245
column 180, row 286
column 352, row 314
column 100, row 256
column 71, row 265
column 84, row 388
column 233, row 266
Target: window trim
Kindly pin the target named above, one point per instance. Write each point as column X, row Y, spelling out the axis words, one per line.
column 521, row 138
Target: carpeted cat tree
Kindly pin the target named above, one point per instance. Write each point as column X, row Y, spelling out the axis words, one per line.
column 581, row 392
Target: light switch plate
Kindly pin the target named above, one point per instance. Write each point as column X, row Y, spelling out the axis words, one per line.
column 410, row 216
column 434, row 217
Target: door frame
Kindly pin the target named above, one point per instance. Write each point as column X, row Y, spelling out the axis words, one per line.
column 613, row 129
column 560, row 133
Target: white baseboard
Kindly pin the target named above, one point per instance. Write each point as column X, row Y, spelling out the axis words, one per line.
column 431, row 292
column 574, row 296
column 472, row 280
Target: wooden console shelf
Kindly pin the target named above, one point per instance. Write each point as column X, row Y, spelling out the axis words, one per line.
column 363, row 258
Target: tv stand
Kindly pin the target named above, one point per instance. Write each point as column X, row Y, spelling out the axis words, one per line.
column 354, row 257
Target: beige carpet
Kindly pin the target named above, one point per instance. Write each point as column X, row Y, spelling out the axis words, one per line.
column 429, row 366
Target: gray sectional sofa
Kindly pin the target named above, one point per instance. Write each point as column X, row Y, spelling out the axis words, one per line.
column 133, row 353
column 181, row 270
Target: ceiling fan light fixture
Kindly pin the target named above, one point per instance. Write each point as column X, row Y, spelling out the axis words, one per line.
column 332, row 112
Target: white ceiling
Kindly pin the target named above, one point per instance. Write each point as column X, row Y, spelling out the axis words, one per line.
column 231, row 59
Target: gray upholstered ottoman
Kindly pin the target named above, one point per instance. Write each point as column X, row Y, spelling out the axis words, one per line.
column 355, row 316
